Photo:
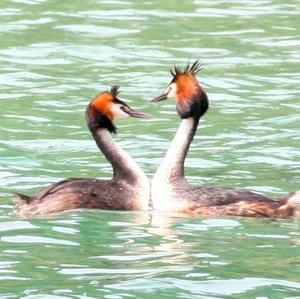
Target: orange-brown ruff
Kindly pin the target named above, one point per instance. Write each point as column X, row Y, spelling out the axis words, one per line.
column 186, row 86
column 103, row 102
column 128, row 189
column 170, row 190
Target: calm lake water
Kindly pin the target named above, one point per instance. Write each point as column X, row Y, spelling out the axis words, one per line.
column 55, row 56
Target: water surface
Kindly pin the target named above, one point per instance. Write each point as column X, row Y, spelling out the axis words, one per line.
column 55, row 56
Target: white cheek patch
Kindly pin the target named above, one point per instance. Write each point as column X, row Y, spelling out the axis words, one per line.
column 118, row 113
column 171, row 91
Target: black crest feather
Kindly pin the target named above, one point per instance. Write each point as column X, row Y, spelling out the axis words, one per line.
column 190, row 68
column 114, row 90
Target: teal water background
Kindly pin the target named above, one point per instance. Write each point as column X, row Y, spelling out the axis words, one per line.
column 55, row 56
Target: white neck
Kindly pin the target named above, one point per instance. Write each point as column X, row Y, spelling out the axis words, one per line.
column 171, row 169
column 173, row 162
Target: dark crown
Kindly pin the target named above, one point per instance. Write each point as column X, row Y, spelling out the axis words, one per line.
column 190, row 68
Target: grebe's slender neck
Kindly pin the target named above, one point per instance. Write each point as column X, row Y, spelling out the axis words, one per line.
column 172, row 166
column 124, row 167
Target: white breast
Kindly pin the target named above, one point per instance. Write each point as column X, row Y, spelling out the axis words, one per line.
column 161, row 193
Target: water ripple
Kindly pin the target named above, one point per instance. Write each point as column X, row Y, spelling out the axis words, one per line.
column 36, row 240
column 56, row 56
column 96, row 30
column 15, row 225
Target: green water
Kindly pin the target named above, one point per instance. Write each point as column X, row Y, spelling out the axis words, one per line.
column 55, row 56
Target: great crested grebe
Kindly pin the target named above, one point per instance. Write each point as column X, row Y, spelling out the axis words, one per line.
column 129, row 189
column 171, row 191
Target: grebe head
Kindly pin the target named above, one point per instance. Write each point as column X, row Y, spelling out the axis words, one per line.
column 105, row 108
column 191, row 99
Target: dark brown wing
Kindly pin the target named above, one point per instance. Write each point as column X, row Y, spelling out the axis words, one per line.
column 93, row 193
column 56, row 187
column 224, row 196
column 80, row 193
